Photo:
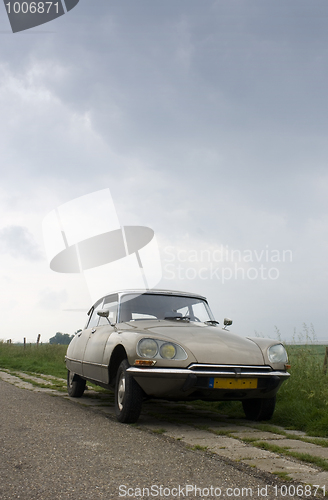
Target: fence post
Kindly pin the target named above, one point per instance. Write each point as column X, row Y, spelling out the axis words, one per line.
column 24, row 343
column 325, row 362
column 38, row 339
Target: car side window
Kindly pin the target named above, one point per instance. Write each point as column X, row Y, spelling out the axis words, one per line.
column 110, row 303
column 94, row 316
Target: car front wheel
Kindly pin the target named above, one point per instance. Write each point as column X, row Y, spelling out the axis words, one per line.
column 128, row 395
column 259, row 409
column 75, row 385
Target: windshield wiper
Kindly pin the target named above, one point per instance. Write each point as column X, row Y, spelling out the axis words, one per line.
column 180, row 318
column 212, row 322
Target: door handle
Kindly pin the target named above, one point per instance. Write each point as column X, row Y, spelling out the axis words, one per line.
column 93, row 330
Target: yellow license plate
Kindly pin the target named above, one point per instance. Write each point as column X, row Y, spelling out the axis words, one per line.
column 235, row 383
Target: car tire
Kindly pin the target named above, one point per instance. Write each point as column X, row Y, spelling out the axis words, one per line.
column 75, row 385
column 128, row 396
column 259, row 409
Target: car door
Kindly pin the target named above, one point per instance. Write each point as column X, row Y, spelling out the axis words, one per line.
column 78, row 344
column 93, row 365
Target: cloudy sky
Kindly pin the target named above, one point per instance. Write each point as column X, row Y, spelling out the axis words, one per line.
column 208, row 122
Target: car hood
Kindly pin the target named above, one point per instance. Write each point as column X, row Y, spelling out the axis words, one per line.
column 208, row 344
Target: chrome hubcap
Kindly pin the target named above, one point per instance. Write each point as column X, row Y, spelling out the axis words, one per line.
column 121, row 392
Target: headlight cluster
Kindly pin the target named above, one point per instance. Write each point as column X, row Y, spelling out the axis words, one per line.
column 150, row 348
column 277, row 354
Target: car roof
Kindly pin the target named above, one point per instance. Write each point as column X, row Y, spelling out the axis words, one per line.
column 161, row 292
column 154, row 291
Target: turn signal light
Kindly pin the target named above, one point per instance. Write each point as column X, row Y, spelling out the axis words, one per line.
column 288, row 367
column 144, row 362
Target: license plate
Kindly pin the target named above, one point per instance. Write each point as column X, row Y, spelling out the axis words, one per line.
column 233, row 383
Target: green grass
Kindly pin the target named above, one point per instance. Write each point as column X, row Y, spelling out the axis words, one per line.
column 199, row 447
column 221, row 432
column 46, row 358
column 269, row 428
column 283, row 475
column 304, row 457
column 249, row 440
column 58, row 386
column 277, row 430
column 302, row 401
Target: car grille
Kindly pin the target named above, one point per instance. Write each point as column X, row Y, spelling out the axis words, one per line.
column 230, row 370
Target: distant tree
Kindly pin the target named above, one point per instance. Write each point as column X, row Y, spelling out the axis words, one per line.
column 61, row 338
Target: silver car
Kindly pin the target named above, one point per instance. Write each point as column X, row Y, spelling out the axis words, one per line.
column 165, row 344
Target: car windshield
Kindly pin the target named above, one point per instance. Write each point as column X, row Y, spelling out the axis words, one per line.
column 135, row 307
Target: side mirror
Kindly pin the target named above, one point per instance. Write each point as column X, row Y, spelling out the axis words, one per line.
column 227, row 322
column 104, row 313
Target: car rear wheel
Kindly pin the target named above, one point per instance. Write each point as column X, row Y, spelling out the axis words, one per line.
column 128, row 395
column 259, row 409
column 75, row 385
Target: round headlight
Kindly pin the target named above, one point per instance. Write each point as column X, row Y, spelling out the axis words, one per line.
column 277, row 354
column 148, row 348
column 168, row 351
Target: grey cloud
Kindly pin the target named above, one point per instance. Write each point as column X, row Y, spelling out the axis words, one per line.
column 18, row 242
column 242, row 79
column 166, row 83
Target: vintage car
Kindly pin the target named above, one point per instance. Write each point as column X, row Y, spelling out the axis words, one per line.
column 165, row 344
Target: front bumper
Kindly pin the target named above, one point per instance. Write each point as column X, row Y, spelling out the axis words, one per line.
column 194, row 382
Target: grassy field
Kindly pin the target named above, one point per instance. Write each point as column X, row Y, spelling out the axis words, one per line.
column 302, row 402
column 303, row 399
column 46, row 358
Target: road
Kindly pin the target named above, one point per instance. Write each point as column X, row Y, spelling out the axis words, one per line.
column 54, row 449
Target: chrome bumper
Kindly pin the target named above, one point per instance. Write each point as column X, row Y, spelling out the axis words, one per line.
column 201, row 370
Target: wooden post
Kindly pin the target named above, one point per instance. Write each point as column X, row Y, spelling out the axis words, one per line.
column 325, row 362
column 24, row 343
column 38, row 339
